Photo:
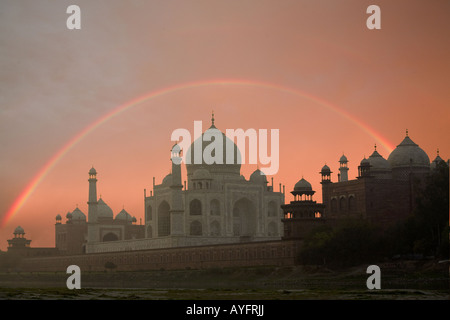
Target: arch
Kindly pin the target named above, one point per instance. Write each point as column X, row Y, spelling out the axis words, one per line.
column 333, row 205
column 195, row 228
column 272, row 209
column 149, row 213
column 272, row 229
column 163, row 219
column 244, row 218
column 195, row 207
column 215, row 228
column 215, row 207
column 110, row 237
column 342, row 204
column 351, row 203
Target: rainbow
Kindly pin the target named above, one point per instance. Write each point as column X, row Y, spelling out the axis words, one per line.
column 34, row 183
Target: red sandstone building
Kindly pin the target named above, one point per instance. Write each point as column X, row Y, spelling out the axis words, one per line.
column 383, row 192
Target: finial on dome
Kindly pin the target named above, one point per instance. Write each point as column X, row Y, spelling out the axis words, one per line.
column 406, row 132
column 438, row 151
column 375, row 147
column 212, row 118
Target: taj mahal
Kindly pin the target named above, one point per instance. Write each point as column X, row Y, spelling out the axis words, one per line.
column 216, row 205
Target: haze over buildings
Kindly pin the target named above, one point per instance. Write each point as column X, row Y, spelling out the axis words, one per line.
column 312, row 70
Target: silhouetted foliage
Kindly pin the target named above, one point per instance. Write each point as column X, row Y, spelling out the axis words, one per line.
column 431, row 214
column 352, row 242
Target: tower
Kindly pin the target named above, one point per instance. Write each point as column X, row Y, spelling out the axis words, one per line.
column 303, row 214
column 18, row 244
column 326, row 184
column 364, row 168
column 92, row 199
column 343, row 169
column 93, row 229
column 326, row 174
column 176, row 198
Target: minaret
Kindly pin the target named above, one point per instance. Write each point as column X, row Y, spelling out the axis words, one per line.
column 176, row 199
column 343, row 169
column 92, row 202
column 93, row 227
column 326, row 184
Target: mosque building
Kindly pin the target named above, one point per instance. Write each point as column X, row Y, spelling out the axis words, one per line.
column 383, row 193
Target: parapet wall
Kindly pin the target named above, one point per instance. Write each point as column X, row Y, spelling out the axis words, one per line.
column 280, row 253
column 166, row 242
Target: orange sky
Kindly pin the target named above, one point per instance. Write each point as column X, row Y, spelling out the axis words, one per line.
column 318, row 60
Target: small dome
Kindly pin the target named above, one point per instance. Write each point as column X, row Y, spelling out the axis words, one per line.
column 69, row 215
column 258, row 177
column 434, row 163
column 365, row 162
column 19, row 230
column 92, row 171
column 302, row 185
column 78, row 215
column 167, row 179
column 343, row 159
column 58, row 217
column 201, row 174
column 407, row 154
column 134, row 219
column 103, row 210
column 124, row 216
column 325, row 169
column 378, row 163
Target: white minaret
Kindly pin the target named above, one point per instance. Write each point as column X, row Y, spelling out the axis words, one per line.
column 93, row 234
column 92, row 201
column 343, row 169
column 176, row 199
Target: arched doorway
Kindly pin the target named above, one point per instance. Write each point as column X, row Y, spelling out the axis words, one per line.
column 272, row 210
column 215, row 207
column 195, row 207
column 163, row 219
column 244, row 218
column 110, row 237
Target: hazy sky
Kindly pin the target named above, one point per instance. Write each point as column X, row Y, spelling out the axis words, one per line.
column 311, row 69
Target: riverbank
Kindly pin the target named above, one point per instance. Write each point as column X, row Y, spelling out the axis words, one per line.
column 403, row 280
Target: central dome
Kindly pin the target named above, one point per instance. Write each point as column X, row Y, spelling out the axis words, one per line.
column 103, row 210
column 258, row 177
column 408, row 154
column 220, row 156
